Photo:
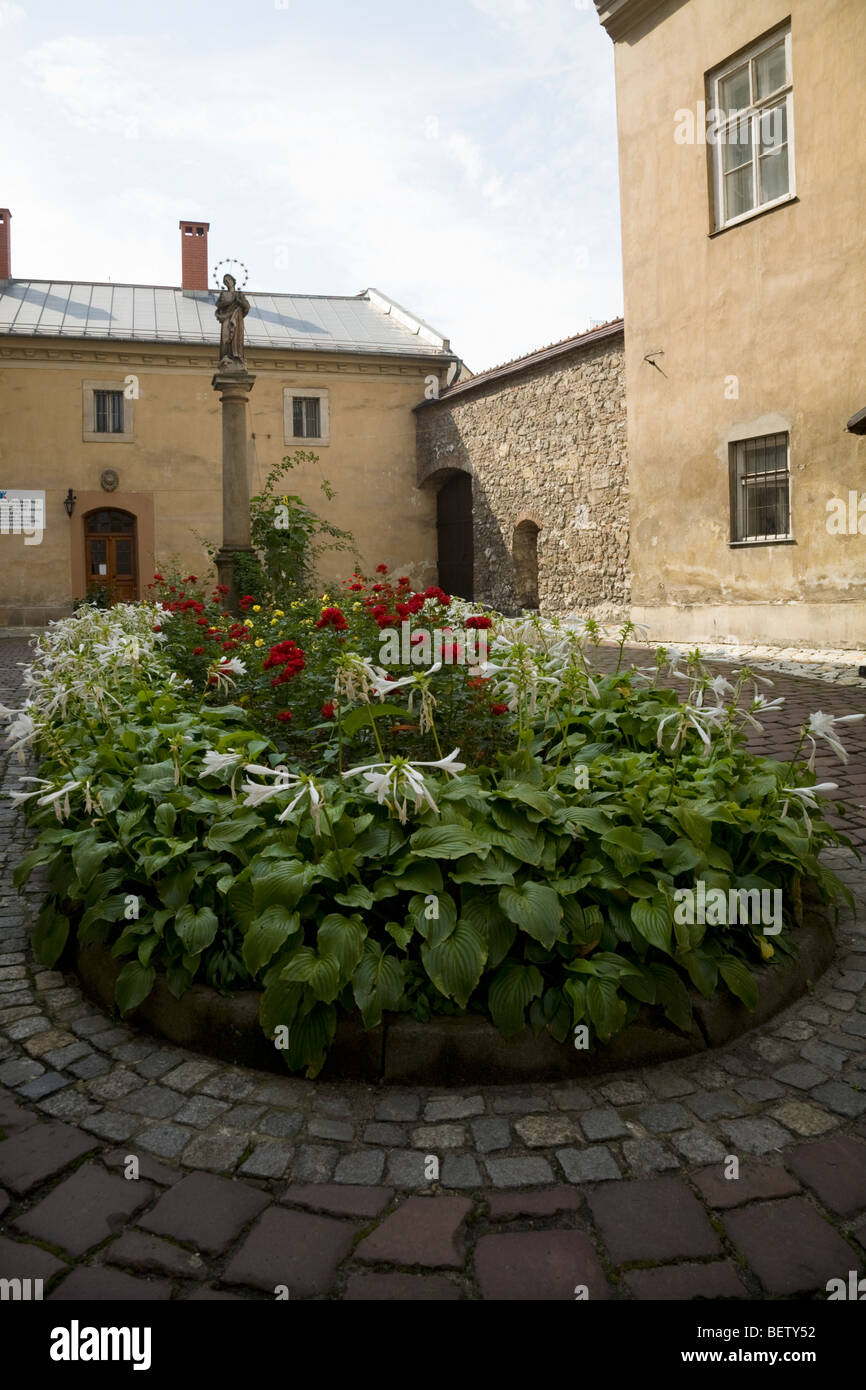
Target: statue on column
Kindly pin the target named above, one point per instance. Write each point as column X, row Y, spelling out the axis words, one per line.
column 232, row 307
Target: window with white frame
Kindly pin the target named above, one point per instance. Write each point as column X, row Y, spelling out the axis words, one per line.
column 107, row 412
column 306, row 415
column 760, row 489
column 751, row 136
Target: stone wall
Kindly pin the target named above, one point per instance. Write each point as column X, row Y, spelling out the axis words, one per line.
column 545, row 445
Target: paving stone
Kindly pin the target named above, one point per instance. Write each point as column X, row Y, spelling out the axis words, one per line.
column 20, row 998
column 314, row 1163
column 715, row 1105
column 156, row 1102
column 152, row 1068
column 44, row 1085
column 453, row 1108
column 815, row 1013
column 573, row 1098
column 48, row 979
column 603, row 1124
column 771, row 1049
column 754, row 1181
column 25, row 1028
column 243, row 1116
column 679, row 1283
column 406, row 1168
column 287, row 1093
column 206, row 1212
column 215, row 1152
column 212, row 1295
column 835, row 1170
column 13, row 972
column 698, row 1146
column 100, row 1284
column 148, row 1167
column 282, row 1124
column 134, row 1052
column 545, row 1131
column 84, row 1209
column 709, row 1077
column 460, row 1170
column 13, row 1117
column 422, row 1231
column 119, row 1083
column 167, row 1140
column 65, row 1056
column 652, row 1219
column 625, row 1092
column 294, row 1248
column 22, row 1069
column 366, row 1166
column 402, row 1288
column 38, row 1153
column 506, row 1206
column 320, row 1127
column 788, row 1245
column 111, row 1124
column 803, row 1075
column 843, row 1002
column 88, row 1067
column 842, row 1099
column 519, row 1105
column 595, row 1164
column 433, row 1137
column 760, row 1090
column 345, row 1200
column 490, row 1133
column 754, row 1136
column 227, row 1086
column 114, row 1037
column 831, row 1058
column 645, row 1156
column 19, row 1260
column 381, row 1133
column 664, row 1117
column 267, row 1161
column 802, row 1118
column 398, row 1107
column 856, row 1026
column 200, row 1111
column 796, row 1030
column 518, row 1172
column 151, row 1255
column 338, row 1107
column 538, row 1266
column 667, row 1085
column 47, row 1040
column 13, row 1013
column 90, row 1024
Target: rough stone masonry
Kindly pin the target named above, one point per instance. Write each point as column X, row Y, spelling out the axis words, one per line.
column 544, row 441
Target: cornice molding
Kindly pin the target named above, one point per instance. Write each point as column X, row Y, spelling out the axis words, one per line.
column 619, row 17
column 15, row 353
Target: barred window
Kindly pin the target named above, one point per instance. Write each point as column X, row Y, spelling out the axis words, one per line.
column 108, row 412
column 760, row 489
column 305, row 417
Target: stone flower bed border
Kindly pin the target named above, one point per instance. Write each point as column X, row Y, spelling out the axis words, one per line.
column 463, row 1050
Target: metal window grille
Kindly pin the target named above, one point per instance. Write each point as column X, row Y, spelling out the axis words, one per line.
column 760, row 489
column 305, row 417
column 108, row 412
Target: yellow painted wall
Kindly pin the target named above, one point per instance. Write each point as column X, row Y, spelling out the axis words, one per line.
column 778, row 301
column 173, row 464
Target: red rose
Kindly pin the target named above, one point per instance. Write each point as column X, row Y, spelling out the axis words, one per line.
column 284, row 716
column 332, row 617
column 198, row 651
column 328, row 709
column 158, row 579
column 381, row 569
column 157, row 628
column 481, row 621
column 404, row 580
column 190, row 579
column 498, row 709
column 246, row 602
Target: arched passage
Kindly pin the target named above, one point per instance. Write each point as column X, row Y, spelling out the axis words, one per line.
column 524, row 552
column 454, row 535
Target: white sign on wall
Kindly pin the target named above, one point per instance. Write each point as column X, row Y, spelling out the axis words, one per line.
column 22, row 513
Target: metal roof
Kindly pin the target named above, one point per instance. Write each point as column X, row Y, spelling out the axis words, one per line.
column 532, row 359
column 369, row 322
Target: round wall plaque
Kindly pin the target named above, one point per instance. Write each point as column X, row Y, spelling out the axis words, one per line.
column 109, row 478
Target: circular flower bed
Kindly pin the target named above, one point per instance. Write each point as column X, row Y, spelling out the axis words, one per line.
column 395, row 802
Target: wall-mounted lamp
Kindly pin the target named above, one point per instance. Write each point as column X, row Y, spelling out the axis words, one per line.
column 69, row 502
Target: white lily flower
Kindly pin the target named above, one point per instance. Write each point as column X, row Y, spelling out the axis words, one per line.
column 220, row 762
column 400, row 777
column 806, row 797
column 824, row 726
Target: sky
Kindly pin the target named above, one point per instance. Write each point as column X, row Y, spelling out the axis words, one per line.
column 458, row 156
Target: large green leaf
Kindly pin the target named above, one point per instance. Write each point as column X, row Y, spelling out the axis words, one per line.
column 512, row 987
column 377, row 983
column 49, row 934
column 343, row 937
column 447, row 842
column 535, row 908
column 455, row 965
column 228, row 832
column 133, row 984
column 434, row 919
column 486, row 914
column 653, row 919
column 87, row 857
column 320, row 972
column 196, row 927
column 739, row 980
column 268, row 933
column 362, row 716
column 604, row 1006
column 284, row 881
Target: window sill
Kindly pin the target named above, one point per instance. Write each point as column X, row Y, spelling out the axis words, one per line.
column 297, row 443
column 751, row 216
column 750, row 545
column 99, row 437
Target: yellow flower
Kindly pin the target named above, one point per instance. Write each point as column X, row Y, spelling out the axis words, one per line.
column 257, row 608
column 295, row 603
column 273, row 620
column 355, row 607
column 278, row 613
column 259, row 642
column 248, row 622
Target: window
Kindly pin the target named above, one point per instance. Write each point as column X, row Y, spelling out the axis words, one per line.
column 760, row 489
column 306, row 415
column 751, row 135
column 107, row 412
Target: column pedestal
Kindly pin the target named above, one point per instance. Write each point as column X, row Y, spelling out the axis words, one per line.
column 234, row 388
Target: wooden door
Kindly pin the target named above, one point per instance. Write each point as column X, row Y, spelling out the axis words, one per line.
column 111, row 562
column 454, row 532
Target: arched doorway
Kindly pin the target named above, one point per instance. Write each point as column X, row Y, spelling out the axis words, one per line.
column 454, row 535
column 524, row 552
column 110, row 554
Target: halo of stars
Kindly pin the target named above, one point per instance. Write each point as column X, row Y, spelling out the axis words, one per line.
column 230, row 260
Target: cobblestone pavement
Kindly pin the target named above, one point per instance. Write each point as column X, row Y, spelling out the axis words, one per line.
column 248, row 1181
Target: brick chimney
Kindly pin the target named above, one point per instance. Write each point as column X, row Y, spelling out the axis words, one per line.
column 193, row 251
column 5, row 245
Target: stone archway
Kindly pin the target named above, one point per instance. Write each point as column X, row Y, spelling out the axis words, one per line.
column 524, row 553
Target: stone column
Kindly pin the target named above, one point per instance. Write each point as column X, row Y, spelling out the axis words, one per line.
column 234, row 389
